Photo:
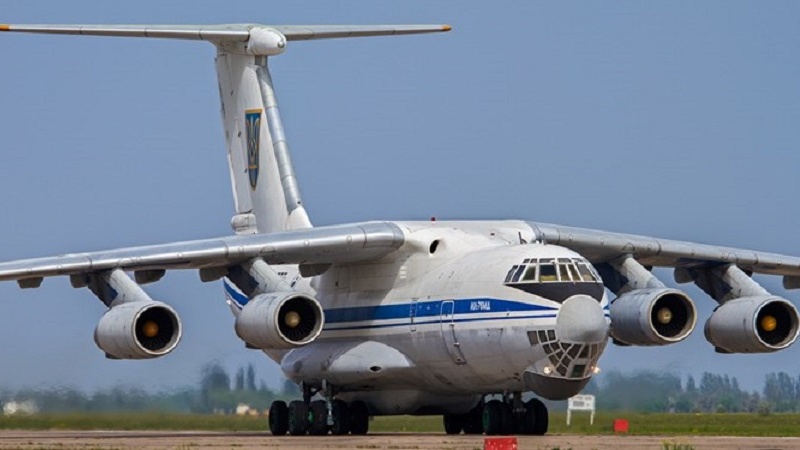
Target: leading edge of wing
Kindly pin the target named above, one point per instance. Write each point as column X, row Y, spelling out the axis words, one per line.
column 321, row 245
column 601, row 246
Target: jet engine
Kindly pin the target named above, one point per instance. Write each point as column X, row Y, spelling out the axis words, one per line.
column 280, row 320
column 657, row 316
column 138, row 330
column 753, row 325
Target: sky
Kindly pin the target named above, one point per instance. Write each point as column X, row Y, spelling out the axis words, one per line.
column 673, row 119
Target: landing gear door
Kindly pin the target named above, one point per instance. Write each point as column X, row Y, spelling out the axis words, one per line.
column 449, row 335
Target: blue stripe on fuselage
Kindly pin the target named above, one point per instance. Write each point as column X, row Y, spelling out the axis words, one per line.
column 437, row 321
column 428, row 309
column 237, row 296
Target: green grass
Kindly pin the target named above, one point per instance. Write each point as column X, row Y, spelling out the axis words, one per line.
column 640, row 424
column 743, row 424
column 133, row 421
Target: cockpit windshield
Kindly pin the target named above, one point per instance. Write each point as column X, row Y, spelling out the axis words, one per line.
column 556, row 279
column 549, row 270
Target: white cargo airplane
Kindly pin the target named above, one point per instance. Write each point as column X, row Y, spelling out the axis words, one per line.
column 377, row 318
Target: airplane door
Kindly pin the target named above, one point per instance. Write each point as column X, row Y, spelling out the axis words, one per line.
column 449, row 333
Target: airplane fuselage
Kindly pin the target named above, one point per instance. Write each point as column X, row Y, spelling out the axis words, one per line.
column 459, row 310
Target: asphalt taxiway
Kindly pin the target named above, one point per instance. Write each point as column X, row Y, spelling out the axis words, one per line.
column 397, row 441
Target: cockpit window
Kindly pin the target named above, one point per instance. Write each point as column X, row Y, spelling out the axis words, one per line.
column 511, row 273
column 517, row 274
column 547, row 273
column 563, row 271
column 530, row 274
column 574, row 273
column 586, row 272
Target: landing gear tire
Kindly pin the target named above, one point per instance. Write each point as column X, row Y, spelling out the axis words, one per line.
column 453, row 423
column 493, row 417
column 298, row 418
column 278, row 418
column 541, row 416
column 359, row 418
column 473, row 420
column 526, row 421
column 507, row 420
column 341, row 418
column 318, row 418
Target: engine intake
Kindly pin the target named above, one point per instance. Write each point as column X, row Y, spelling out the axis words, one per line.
column 280, row 320
column 657, row 316
column 753, row 325
column 138, row 330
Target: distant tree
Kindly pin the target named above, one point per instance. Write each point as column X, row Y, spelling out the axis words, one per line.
column 690, row 387
column 645, row 391
column 251, row 378
column 214, row 377
column 710, row 390
column 721, row 393
column 780, row 391
column 290, row 389
column 239, row 383
column 215, row 388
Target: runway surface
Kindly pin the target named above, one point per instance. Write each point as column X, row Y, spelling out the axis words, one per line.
column 397, row 441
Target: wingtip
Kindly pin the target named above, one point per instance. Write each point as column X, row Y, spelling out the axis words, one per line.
column 4, row 27
column 446, row 28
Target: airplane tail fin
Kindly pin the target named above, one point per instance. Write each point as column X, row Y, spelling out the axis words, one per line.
column 265, row 189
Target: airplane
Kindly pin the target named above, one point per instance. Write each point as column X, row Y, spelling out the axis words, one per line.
column 472, row 320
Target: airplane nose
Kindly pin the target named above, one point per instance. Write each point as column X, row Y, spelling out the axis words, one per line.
column 580, row 320
column 570, row 359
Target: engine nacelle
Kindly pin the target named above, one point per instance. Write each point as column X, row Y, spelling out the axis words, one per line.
column 281, row 320
column 657, row 316
column 753, row 325
column 138, row 330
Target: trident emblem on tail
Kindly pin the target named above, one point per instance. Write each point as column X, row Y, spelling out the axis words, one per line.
column 252, row 122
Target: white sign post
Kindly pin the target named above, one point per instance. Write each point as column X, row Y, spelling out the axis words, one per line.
column 580, row 403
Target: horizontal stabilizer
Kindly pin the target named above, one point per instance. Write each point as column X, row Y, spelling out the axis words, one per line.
column 227, row 32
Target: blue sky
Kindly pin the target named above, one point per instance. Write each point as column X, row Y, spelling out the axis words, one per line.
column 674, row 119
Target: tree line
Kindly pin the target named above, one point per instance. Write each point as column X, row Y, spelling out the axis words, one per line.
column 651, row 391
column 219, row 391
column 216, row 392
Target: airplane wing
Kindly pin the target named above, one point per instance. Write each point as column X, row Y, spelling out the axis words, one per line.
column 601, row 246
column 321, row 245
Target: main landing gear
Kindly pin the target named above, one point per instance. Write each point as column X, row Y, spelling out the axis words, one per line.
column 318, row 417
column 495, row 417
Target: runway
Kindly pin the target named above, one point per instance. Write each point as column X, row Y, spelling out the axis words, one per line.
column 96, row 440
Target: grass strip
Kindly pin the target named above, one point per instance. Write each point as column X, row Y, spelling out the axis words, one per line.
column 639, row 424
